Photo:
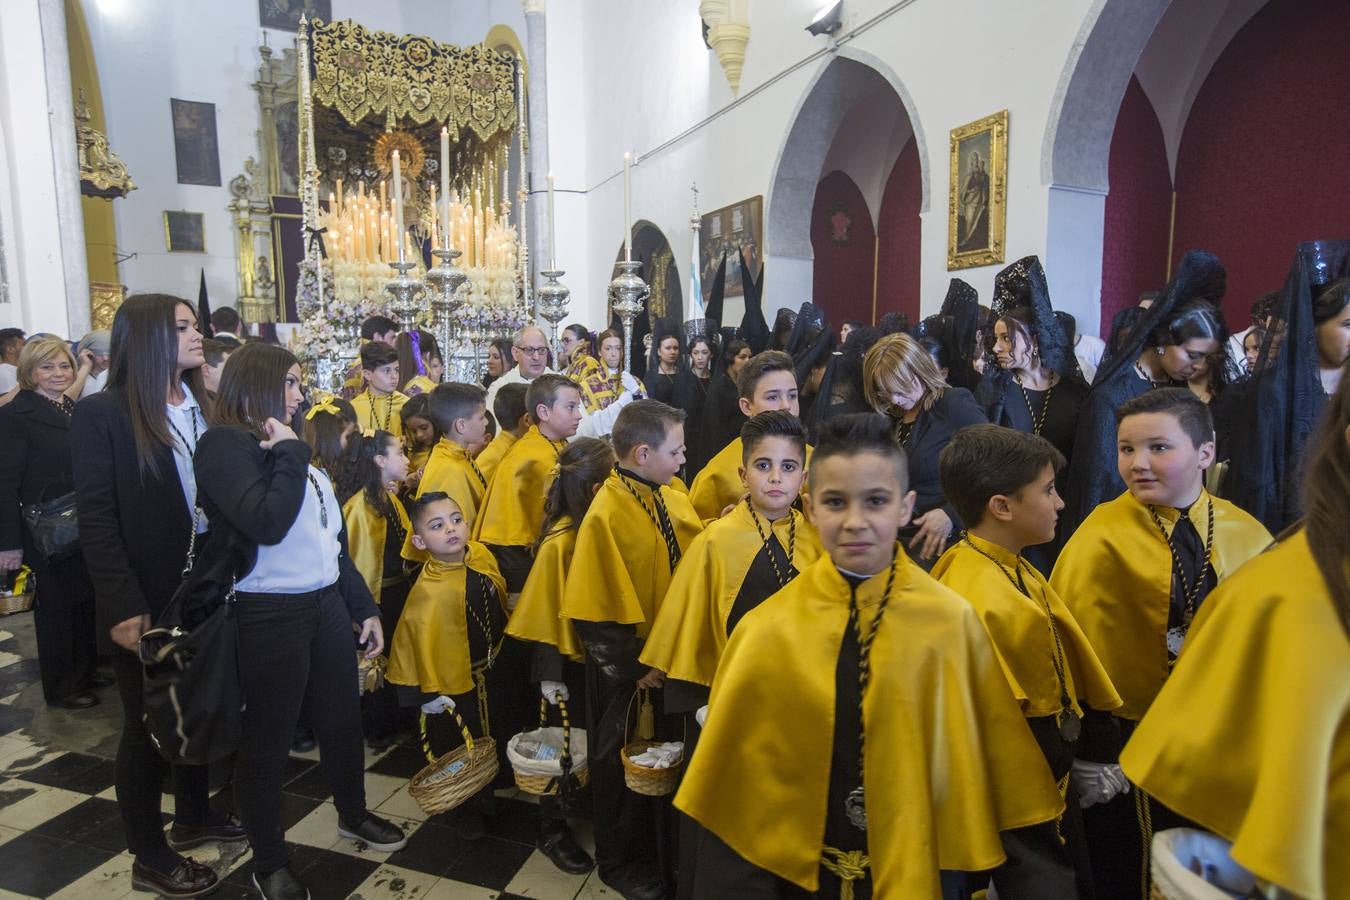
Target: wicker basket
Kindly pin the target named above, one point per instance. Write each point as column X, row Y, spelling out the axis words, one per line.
column 370, row 673
column 640, row 779
column 20, row 598
column 455, row 777
column 1179, row 854
column 571, row 778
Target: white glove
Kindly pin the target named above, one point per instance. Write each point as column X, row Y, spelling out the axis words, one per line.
column 437, row 706
column 551, row 690
column 701, row 715
column 1098, row 782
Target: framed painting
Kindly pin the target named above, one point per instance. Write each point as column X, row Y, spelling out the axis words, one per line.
column 739, row 226
column 977, row 195
column 195, row 146
column 184, row 232
column 284, row 15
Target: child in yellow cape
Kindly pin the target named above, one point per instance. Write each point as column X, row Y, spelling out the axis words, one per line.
column 1002, row 484
column 508, row 408
column 860, row 736
column 1249, row 736
column 377, row 407
column 458, row 412
column 1134, row 574
column 556, row 651
column 443, row 654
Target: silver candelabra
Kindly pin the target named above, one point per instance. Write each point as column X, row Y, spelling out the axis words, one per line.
column 551, row 302
column 405, row 293
column 627, row 295
column 444, row 282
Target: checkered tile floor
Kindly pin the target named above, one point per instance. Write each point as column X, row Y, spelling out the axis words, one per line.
column 61, row 835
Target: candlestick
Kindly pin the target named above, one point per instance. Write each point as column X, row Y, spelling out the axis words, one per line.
column 552, row 252
column 398, row 206
column 627, row 207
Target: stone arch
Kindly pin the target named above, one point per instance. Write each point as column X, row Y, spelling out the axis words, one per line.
column 661, row 271
column 840, row 82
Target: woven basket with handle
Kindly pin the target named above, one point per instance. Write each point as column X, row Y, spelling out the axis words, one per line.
column 451, row 779
column 640, row 779
column 571, row 778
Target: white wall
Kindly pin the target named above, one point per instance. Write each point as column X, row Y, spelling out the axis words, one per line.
column 151, row 50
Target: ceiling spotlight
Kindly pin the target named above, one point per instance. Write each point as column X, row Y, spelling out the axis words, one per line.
column 828, row 20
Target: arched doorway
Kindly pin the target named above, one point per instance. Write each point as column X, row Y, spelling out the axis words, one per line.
column 852, row 171
column 659, row 270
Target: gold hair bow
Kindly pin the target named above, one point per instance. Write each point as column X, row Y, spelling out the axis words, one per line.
column 326, row 405
column 554, row 472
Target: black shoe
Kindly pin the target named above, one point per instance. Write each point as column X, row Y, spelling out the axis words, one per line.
column 185, row 837
column 563, row 850
column 280, row 885
column 77, row 700
column 100, row 681
column 376, row 833
column 189, row 879
column 304, row 742
column 631, row 887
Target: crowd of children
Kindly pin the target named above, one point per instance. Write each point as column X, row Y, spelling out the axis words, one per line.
column 851, row 725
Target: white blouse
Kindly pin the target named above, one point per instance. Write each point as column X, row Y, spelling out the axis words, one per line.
column 307, row 557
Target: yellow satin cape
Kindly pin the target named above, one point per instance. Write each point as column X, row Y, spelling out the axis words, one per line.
column 1251, row 736
column 950, row 760
column 621, row 568
column 690, row 632
column 1115, row 576
column 385, row 412
column 512, row 512
column 430, row 650
column 418, row 384
column 492, row 454
column 417, row 459
column 719, row 485
column 536, row 616
column 366, row 533
column 449, row 470
column 1021, row 634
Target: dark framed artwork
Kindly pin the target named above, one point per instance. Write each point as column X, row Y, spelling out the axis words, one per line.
column 739, row 226
column 184, row 232
column 195, row 145
column 284, row 15
column 977, row 193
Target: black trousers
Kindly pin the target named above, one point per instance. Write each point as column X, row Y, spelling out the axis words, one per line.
column 381, row 715
column 63, row 617
column 141, row 771
column 294, row 649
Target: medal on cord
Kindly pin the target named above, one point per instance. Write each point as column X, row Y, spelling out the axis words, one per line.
column 855, row 804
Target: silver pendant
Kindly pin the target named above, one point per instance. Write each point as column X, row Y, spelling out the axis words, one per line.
column 1070, row 725
column 1175, row 638
column 855, row 807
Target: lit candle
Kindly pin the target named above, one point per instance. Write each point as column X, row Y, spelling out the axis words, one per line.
column 398, row 206
column 445, row 180
column 552, row 252
column 627, row 207
column 342, row 201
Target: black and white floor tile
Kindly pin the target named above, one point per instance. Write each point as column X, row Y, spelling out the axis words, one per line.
column 61, row 835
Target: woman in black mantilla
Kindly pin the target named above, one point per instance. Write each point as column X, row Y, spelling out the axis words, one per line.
column 1170, row 340
column 692, row 388
column 665, row 363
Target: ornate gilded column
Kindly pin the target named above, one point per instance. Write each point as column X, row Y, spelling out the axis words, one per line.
column 536, row 49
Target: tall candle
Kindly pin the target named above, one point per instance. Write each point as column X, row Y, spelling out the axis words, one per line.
column 342, row 201
column 435, row 220
column 398, row 206
column 445, row 180
column 628, row 207
column 552, row 252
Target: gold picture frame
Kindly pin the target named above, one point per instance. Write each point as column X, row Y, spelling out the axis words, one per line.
column 977, row 207
column 184, row 232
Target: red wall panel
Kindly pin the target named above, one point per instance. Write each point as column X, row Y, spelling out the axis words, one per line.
column 898, row 260
column 844, row 243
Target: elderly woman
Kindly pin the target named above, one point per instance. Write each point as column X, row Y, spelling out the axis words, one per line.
column 35, row 466
column 901, row 380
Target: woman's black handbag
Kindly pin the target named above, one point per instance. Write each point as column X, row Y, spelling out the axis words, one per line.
column 193, row 702
column 54, row 527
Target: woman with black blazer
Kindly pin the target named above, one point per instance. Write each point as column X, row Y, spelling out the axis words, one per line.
column 901, row 380
column 132, row 449
column 34, row 467
column 277, row 535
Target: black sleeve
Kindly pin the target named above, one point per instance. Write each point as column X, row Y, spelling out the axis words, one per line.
column 259, row 494
column 722, row 872
column 1101, row 741
column 614, row 647
column 117, row 590
column 961, row 410
column 13, row 462
column 546, row 663
column 360, row 605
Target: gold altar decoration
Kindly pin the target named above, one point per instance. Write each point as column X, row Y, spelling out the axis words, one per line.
column 361, row 73
column 104, row 300
column 102, row 174
column 412, row 156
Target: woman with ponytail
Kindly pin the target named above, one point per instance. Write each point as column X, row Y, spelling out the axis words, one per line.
column 558, row 654
column 1248, row 738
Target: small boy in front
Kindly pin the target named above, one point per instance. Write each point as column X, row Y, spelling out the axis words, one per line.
column 628, row 545
column 458, row 412
column 1133, row 575
column 1002, row 484
column 509, row 409
column 447, row 642
column 860, row 737
column 766, row 382
column 513, row 508
column 377, row 407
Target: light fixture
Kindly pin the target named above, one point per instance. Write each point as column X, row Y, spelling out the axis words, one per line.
column 828, row 20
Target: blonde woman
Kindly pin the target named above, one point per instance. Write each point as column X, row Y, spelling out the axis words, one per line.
column 902, row 381
column 35, row 467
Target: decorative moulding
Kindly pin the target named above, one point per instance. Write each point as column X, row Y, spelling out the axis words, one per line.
column 728, row 23
column 102, row 174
